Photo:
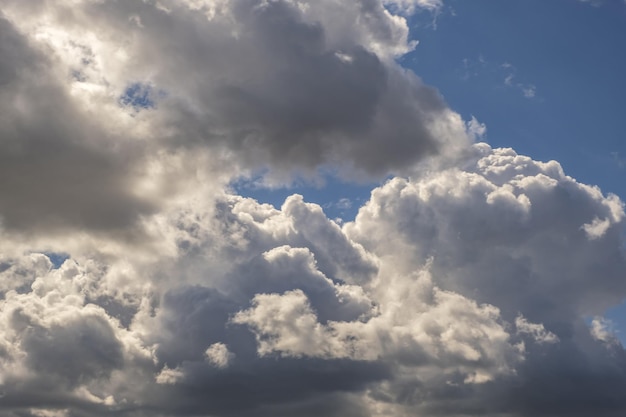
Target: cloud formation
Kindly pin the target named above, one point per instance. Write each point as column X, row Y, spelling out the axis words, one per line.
column 134, row 282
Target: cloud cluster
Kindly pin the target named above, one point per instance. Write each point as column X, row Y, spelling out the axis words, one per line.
column 135, row 283
column 447, row 293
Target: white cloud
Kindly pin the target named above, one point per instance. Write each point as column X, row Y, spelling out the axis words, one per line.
column 596, row 228
column 496, row 218
column 218, row 355
column 594, row 3
column 410, row 6
column 170, row 376
column 506, row 72
column 475, row 129
column 416, row 325
column 602, row 329
column 287, row 324
column 537, row 331
column 529, row 90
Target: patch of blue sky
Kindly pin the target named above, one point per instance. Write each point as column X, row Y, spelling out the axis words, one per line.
column 139, row 96
column 617, row 316
column 338, row 199
column 57, row 259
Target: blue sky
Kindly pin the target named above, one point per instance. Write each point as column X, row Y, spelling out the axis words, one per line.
column 546, row 77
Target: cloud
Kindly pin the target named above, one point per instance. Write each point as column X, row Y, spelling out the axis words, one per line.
column 528, row 90
column 596, row 228
column 475, row 129
column 54, row 153
column 153, row 109
column 538, row 331
column 536, row 260
column 619, row 161
column 464, row 285
column 218, row 355
column 294, row 86
column 506, row 71
column 410, row 6
column 594, row 3
column 443, row 294
column 512, row 208
column 601, row 330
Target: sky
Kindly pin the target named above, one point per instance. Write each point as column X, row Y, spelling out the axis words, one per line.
column 378, row 208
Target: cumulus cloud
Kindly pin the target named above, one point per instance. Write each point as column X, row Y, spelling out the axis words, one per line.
column 134, row 282
column 536, row 260
column 218, row 355
column 255, row 310
column 537, row 331
column 601, row 329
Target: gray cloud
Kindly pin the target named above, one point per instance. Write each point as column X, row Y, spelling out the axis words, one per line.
column 261, row 84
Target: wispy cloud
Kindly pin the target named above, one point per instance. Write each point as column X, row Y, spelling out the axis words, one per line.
column 619, row 159
column 504, row 73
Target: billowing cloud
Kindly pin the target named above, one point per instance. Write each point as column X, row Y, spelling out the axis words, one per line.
column 512, row 232
column 415, row 307
column 134, row 282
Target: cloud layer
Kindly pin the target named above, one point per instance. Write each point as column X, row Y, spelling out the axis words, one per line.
column 134, row 282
